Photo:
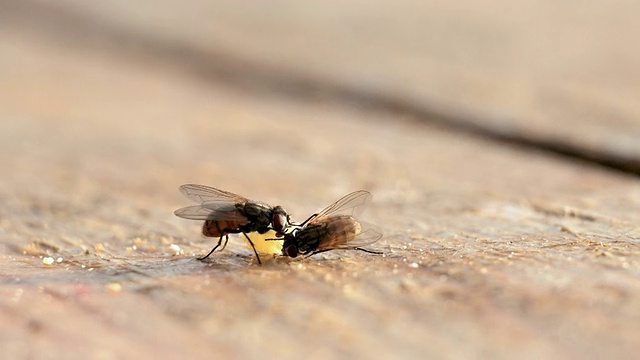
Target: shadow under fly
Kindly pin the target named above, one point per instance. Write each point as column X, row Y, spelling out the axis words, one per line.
column 333, row 228
column 226, row 213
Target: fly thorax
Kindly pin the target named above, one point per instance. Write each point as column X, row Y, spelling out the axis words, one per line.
column 258, row 214
column 309, row 238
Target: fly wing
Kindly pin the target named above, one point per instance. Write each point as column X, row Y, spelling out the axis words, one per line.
column 351, row 237
column 212, row 211
column 205, row 194
column 351, row 204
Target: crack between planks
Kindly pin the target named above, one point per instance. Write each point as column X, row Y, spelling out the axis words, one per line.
column 63, row 24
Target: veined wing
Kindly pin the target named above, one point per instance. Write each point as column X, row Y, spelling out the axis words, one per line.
column 366, row 234
column 205, row 194
column 221, row 212
column 351, row 204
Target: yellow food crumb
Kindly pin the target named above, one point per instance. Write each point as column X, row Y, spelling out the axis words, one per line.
column 262, row 245
column 48, row 260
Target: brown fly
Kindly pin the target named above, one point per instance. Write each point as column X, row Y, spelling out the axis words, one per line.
column 226, row 213
column 333, row 228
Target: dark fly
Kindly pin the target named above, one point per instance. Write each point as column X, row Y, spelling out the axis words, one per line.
column 226, row 213
column 333, row 228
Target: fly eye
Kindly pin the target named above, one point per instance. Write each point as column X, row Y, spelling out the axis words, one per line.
column 278, row 222
column 292, row 251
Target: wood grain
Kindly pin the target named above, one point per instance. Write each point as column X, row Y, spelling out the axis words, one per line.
column 549, row 75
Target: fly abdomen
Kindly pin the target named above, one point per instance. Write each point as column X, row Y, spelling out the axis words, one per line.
column 212, row 228
column 343, row 226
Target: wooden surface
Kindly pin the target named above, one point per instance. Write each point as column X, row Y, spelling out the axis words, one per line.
column 492, row 250
column 555, row 74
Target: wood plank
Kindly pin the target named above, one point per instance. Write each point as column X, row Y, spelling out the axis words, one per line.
column 549, row 74
column 491, row 251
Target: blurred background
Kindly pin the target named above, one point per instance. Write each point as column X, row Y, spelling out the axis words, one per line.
column 460, row 118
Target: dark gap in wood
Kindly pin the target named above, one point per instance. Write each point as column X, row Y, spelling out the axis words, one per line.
column 65, row 26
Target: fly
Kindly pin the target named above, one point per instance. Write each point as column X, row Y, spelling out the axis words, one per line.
column 333, row 228
column 226, row 213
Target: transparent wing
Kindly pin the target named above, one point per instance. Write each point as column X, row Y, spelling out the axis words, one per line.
column 204, row 194
column 337, row 239
column 221, row 212
column 351, row 204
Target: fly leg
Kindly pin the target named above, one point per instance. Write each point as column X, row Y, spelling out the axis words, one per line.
column 369, row 251
column 226, row 240
column 274, row 239
column 215, row 247
column 357, row 248
column 254, row 248
column 317, row 252
column 293, row 228
column 306, row 221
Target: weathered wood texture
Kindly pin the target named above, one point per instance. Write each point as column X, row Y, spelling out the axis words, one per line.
column 492, row 251
column 552, row 73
